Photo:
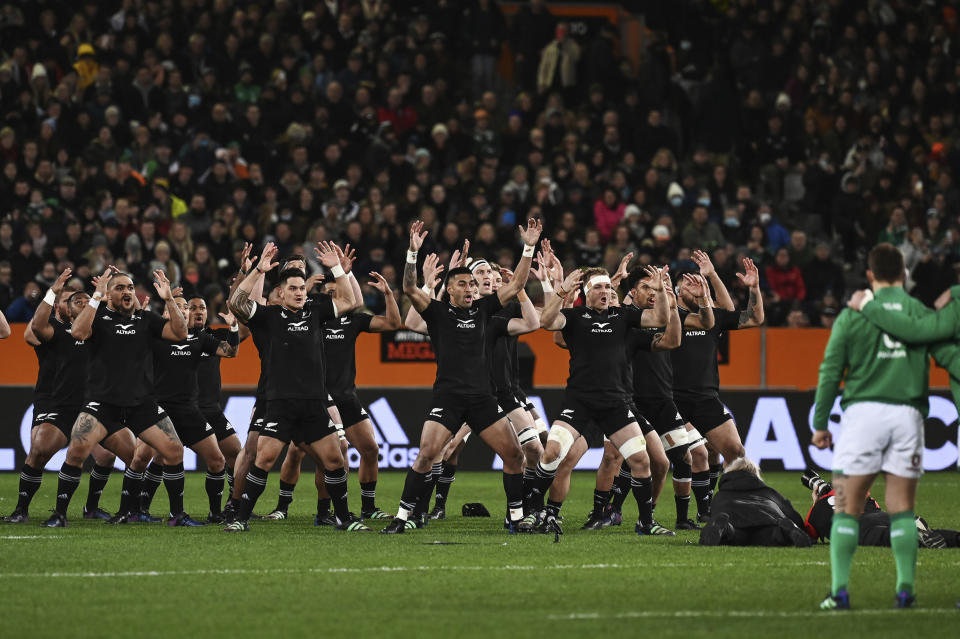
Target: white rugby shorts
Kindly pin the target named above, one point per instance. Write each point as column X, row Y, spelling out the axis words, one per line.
column 877, row 437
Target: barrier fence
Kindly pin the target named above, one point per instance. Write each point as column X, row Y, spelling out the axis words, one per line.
column 775, row 428
column 757, row 358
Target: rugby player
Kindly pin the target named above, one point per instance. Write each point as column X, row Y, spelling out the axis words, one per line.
column 58, row 397
column 4, row 327
column 295, row 389
column 119, row 390
column 696, row 376
column 340, row 336
column 175, row 368
column 596, row 334
column 463, row 393
column 208, row 379
column 881, row 430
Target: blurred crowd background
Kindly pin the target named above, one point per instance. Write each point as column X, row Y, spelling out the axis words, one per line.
column 167, row 133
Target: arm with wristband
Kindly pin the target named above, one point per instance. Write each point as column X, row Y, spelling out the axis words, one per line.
column 530, row 236
column 418, row 298
column 241, row 303
column 551, row 318
column 40, row 324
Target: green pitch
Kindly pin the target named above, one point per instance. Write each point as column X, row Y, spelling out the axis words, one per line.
column 458, row 578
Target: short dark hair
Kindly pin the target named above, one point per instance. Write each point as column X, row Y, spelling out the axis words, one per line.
column 460, row 270
column 634, row 276
column 74, row 294
column 286, row 274
column 886, row 262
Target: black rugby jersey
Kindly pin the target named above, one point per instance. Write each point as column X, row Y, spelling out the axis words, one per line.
column 458, row 337
column 208, row 374
column 652, row 370
column 121, row 357
column 339, row 343
column 597, row 341
column 71, row 357
column 175, row 366
column 292, row 354
column 695, row 372
column 46, row 367
column 499, row 343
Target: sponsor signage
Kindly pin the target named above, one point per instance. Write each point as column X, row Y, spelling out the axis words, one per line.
column 775, row 427
column 405, row 346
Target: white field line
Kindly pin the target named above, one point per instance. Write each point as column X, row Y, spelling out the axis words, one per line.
column 732, row 614
column 384, row 569
column 30, row 536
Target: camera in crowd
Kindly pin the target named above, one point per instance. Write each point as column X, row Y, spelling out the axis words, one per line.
column 815, row 482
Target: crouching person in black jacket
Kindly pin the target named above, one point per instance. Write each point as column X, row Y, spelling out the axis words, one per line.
column 747, row 512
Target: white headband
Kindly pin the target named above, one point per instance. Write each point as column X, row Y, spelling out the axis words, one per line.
column 598, row 279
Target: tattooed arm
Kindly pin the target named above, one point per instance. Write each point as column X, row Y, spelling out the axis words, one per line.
column 418, row 298
column 753, row 316
column 241, row 303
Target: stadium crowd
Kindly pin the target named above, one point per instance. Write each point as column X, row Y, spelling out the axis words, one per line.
column 166, row 133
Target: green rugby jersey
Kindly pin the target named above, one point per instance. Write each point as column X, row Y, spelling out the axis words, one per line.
column 875, row 366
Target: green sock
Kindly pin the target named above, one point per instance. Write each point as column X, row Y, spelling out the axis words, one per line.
column 903, row 541
column 844, row 537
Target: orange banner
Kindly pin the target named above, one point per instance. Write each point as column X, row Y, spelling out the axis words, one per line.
column 792, row 361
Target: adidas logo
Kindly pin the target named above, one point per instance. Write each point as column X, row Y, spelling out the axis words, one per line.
column 208, row 427
column 630, row 414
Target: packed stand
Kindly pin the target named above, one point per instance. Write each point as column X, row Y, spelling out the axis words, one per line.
column 166, row 134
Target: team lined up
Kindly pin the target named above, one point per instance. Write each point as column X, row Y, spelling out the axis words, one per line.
column 643, row 370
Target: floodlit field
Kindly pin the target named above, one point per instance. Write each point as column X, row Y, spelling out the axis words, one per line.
column 458, row 578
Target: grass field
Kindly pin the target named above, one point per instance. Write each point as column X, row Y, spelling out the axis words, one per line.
column 460, row 577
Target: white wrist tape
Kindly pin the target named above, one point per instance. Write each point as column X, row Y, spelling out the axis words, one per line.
column 411, row 257
column 94, row 303
column 528, row 250
column 235, row 328
column 97, row 295
column 547, row 287
column 337, row 271
column 50, row 298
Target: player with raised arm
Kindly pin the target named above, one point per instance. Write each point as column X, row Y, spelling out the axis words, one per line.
column 208, row 378
column 881, row 430
column 463, row 393
column 119, row 392
column 696, row 376
column 66, row 361
column 596, row 335
column 649, row 376
column 295, row 392
column 175, row 366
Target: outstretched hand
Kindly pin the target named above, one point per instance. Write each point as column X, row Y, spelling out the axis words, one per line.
column 162, row 284
column 703, row 261
column 379, row 283
column 417, row 235
column 751, row 275
column 432, row 268
column 228, row 318
column 531, row 234
column 61, row 281
column 656, row 279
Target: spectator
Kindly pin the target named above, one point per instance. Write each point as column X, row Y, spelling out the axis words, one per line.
column 786, row 286
column 607, row 213
column 23, row 308
column 822, row 275
column 700, row 232
column 6, row 285
column 558, row 64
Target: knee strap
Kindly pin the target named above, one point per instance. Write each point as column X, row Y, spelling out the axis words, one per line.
column 565, row 440
column 682, row 472
column 676, row 455
column 541, row 425
column 695, row 439
column 632, row 446
column 527, row 435
column 676, row 438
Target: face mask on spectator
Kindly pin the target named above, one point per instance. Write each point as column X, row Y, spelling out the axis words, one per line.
column 676, row 201
column 732, row 222
column 704, row 201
